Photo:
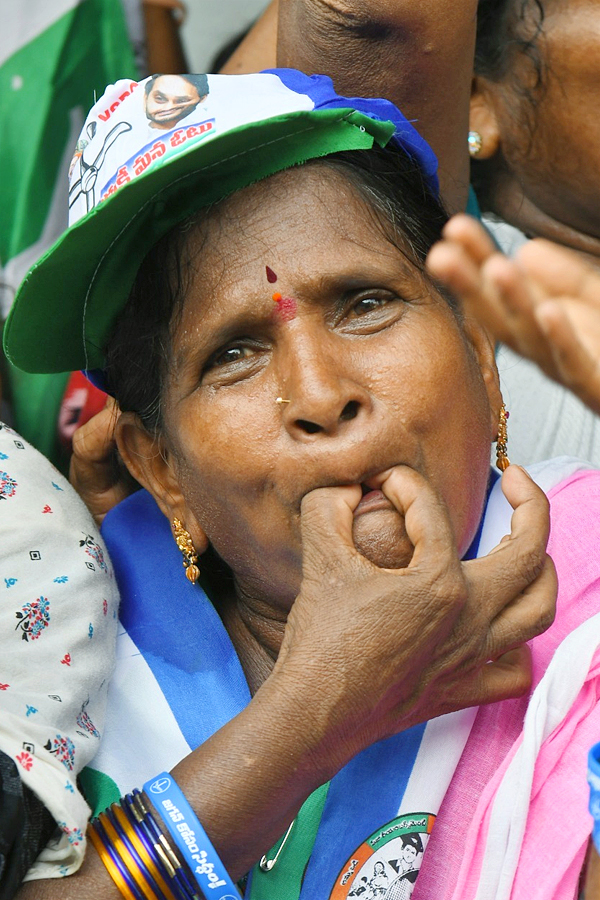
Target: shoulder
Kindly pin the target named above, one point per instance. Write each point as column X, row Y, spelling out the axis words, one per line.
column 575, row 523
column 574, row 547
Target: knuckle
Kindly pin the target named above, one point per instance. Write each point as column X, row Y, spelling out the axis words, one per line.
column 544, row 618
column 530, row 560
column 449, row 589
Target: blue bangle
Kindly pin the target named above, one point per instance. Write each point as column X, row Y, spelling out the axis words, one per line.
column 96, row 824
column 190, row 837
column 152, row 838
column 594, row 782
column 146, row 873
column 187, row 886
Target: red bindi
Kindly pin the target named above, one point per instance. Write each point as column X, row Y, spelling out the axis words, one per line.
column 271, row 276
column 286, row 307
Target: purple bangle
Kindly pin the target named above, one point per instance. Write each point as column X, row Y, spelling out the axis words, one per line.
column 130, row 847
column 153, row 835
column 192, row 841
column 145, row 836
column 187, row 883
column 150, row 839
column 125, row 874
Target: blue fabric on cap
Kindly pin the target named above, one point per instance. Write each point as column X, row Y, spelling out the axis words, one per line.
column 321, row 91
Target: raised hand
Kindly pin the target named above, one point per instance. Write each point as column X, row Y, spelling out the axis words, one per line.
column 400, row 646
column 95, row 471
column 545, row 303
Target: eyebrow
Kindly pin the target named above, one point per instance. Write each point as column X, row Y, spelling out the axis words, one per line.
column 245, row 324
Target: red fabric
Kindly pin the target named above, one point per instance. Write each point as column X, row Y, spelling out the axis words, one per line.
column 81, row 401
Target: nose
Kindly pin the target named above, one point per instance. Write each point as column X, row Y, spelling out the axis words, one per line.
column 322, row 383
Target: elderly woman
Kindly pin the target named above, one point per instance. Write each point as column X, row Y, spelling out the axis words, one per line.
column 530, row 105
column 311, row 419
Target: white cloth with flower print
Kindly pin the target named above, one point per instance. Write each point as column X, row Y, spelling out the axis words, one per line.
column 58, row 624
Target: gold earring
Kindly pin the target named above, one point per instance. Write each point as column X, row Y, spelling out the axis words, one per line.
column 502, row 460
column 183, row 539
column 475, row 143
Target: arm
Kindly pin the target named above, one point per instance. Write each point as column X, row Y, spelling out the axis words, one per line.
column 163, row 41
column 545, row 303
column 432, row 656
column 417, row 53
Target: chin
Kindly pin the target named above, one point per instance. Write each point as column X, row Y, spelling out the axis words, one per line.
column 382, row 539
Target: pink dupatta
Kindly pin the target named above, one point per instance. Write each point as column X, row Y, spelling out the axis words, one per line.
column 489, row 842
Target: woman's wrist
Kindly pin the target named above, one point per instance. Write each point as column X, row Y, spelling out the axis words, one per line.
column 247, row 783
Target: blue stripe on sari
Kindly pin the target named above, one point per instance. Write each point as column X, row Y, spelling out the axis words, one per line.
column 172, row 622
column 369, row 790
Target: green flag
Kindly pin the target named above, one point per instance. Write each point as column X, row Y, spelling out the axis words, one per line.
column 55, row 56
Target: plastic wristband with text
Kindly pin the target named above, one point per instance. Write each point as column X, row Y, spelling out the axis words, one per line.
column 594, row 782
column 190, row 838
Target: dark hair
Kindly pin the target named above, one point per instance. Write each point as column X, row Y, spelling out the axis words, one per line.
column 505, row 28
column 412, row 840
column 138, row 353
column 200, row 82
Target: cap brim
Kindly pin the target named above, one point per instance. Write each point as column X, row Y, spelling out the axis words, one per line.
column 66, row 307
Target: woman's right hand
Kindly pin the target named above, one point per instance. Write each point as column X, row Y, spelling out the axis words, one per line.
column 384, row 649
column 367, row 652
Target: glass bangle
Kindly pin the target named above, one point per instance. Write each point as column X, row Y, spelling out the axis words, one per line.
column 112, row 868
column 136, row 843
column 191, row 839
column 186, row 881
column 118, row 860
column 156, row 839
column 137, row 869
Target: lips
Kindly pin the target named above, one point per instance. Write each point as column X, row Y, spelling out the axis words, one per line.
column 372, row 499
column 370, row 484
column 168, row 113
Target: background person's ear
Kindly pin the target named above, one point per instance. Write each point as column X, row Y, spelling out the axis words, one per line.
column 483, row 118
column 151, row 464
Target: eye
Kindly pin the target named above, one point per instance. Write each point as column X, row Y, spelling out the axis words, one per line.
column 369, row 304
column 227, row 356
column 233, row 362
column 370, row 310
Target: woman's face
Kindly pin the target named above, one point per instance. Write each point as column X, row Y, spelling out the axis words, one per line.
column 550, row 135
column 375, row 367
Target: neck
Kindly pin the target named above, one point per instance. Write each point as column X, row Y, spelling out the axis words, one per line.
column 510, row 203
column 256, row 632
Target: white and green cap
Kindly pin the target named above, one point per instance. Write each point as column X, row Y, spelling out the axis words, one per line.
column 150, row 155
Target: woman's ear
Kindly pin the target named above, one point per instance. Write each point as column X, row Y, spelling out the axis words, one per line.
column 152, row 465
column 483, row 118
column 484, row 350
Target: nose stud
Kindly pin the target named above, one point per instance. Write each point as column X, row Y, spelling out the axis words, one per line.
column 281, row 400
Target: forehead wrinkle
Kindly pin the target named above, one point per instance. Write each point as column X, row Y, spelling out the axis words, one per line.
column 233, row 241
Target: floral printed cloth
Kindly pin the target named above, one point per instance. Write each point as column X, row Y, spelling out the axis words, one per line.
column 58, row 625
